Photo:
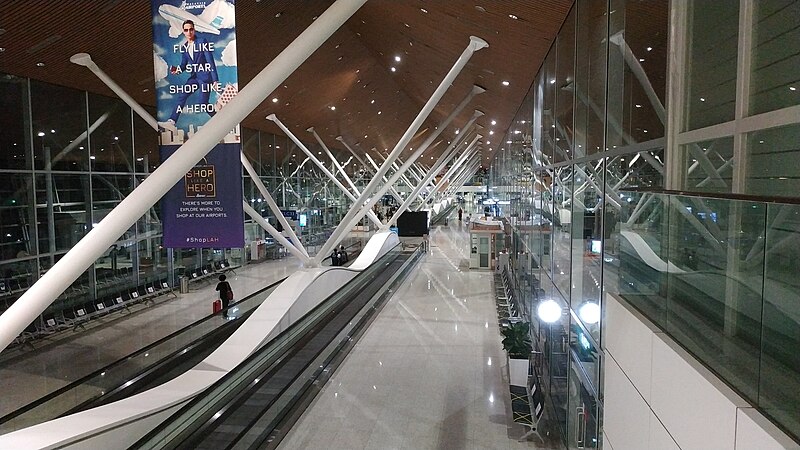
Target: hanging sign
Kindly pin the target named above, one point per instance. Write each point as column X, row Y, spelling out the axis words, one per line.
column 194, row 54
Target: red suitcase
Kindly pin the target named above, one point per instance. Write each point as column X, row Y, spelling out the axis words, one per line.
column 217, row 305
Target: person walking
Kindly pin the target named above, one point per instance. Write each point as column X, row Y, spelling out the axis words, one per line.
column 225, row 294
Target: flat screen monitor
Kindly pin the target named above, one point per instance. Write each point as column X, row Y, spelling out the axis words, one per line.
column 412, row 223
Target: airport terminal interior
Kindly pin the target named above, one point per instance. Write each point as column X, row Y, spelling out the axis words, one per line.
column 505, row 224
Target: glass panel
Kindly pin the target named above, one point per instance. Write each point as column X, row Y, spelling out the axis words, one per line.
column 587, row 222
column 111, row 140
column 554, row 338
column 773, row 164
column 562, row 223
column 641, row 251
column 779, row 384
column 714, row 297
column 711, row 62
column 548, row 83
column 637, row 71
column 59, row 119
column 564, row 84
column 775, row 75
column 583, row 411
column 17, row 223
column 145, row 141
column 709, row 165
column 13, row 94
column 590, row 77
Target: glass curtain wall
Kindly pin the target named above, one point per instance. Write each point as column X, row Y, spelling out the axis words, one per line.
column 596, row 117
column 69, row 157
column 604, row 148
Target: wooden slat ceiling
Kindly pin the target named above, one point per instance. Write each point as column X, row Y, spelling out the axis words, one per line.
column 349, row 71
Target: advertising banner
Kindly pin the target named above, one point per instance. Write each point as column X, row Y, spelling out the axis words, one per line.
column 194, row 55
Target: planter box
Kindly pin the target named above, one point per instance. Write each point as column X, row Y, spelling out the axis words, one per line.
column 518, row 371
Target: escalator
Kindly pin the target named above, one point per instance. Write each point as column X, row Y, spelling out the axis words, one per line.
column 441, row 217
column 151, row 366
column 255, row 405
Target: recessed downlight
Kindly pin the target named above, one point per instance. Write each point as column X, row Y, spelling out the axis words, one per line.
column 505, row 83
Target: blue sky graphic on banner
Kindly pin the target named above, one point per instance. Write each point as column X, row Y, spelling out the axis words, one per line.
column 194, row 56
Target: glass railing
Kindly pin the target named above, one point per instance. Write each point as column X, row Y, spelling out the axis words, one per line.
column 127, row 372
column 719, row 275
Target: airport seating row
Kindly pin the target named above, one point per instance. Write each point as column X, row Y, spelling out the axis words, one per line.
column 505, row 300
column 527, row 402
column 208, row 271
column 74, row 312
column 527, row 406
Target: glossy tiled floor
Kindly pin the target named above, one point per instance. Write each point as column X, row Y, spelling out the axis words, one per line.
column 429, row 373
column 27, row 375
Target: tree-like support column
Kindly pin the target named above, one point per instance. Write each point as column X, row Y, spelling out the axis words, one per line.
column 39, row 296
column 354, row 215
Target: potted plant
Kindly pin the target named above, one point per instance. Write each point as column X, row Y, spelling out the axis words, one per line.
column 517, row 344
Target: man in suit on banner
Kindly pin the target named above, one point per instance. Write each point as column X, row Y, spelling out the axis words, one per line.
column 197, row 58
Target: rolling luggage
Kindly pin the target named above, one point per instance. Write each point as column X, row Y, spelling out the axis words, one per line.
column 217, row 306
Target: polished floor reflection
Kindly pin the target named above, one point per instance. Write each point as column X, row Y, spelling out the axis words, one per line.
column 429, row 373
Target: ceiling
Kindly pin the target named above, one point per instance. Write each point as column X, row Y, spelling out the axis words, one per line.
column 351, row 71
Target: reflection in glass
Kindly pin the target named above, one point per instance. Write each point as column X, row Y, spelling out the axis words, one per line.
column 709, row 165
column 590, row 77
column 773, row 158
column 636, row 72
column 776, row 56
column 586, row 233
column 13, row 142
column 110, row 141
column 779, row 384
column 58, row 119
column 710, row 96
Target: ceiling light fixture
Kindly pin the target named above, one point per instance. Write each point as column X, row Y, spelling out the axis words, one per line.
column 275, row 100
column 513, row 16
column 397, row 58
column 494, row 122
column 393, row 69
column 333, row 108
column 505, row 83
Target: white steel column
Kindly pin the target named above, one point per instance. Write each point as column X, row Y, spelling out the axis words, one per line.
column 428, row 175
column 275, row 233
column 454, row 173
column 352, row 216
column 442, row 126
column 460, row 160
column 84, row 59
column 321, row 166
column 392, row 190
column 448, row 154
column 39, row 296
column 274, row 208
column 461, row 173
column 335, row 161
column 469, row 171
column 367, row 168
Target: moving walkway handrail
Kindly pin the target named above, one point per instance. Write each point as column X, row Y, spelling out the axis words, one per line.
column 204, row 407
column 125, row 372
